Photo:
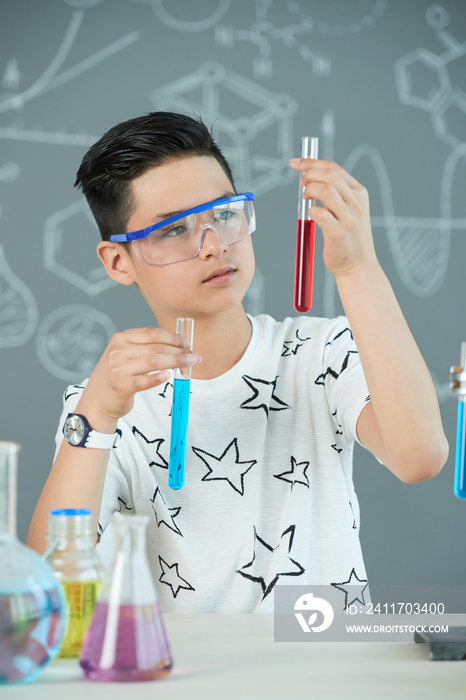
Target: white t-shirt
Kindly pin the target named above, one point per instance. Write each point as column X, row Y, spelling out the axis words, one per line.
column 268, row 497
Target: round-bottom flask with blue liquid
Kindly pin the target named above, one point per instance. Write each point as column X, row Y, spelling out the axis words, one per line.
column 32, row 605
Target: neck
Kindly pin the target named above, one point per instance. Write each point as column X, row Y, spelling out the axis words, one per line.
column 221, row 339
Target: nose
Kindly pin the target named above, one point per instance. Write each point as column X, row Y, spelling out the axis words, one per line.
column 211, row 243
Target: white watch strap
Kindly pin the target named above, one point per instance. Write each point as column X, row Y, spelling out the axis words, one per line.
column 102, row 441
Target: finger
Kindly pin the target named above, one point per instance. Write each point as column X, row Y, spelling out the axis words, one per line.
column 124, row 352
column 326, row 169
column 151, row 335
column 330, row 198
column 331, row 177
column 152, row 363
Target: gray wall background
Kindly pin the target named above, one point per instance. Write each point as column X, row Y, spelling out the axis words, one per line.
column 381, row 82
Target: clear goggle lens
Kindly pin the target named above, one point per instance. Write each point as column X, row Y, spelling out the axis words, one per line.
column 182, row 239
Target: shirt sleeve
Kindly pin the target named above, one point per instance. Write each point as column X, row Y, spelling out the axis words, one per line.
column 343, row 378
column 117, row 494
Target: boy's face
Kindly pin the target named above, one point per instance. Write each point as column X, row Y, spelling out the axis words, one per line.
column 217, row 279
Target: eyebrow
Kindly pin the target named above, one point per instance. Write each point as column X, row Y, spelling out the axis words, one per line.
column 168, row 215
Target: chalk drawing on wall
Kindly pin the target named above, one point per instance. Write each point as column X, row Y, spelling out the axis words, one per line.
column 420, row 246
column 257, row 145
column 82, row 3
column 423, row 81
column 50, row 79
column 71, row 339
column 359, row 15
column 207, row 13
column 263, row 33
column 9, row 172
column 18, row 308
column 70, row 238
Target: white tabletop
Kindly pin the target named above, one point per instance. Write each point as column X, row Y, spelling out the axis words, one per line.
column 235, row 656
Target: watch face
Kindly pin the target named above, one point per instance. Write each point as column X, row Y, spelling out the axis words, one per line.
column 74, row 430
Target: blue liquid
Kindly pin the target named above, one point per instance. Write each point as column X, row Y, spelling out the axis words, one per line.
column 179, row 431
column 31, row 630
column 460, row 460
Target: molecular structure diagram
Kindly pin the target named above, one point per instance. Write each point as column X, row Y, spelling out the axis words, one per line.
column 262, row 33
column 423, row 81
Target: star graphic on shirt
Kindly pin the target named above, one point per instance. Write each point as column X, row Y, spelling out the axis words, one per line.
column 73, row 393
column 269, row 563
column 330, row 372
column 291, row 347
column 157, row 442
column 122, row 504
column 296, row 475
column 167, row 393
column 170, row 577
column 354, row 519
column 163, row 514
column 353, row 589
column 263, row 395
column 227, row 467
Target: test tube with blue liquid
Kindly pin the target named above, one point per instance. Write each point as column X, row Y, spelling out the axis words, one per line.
column 458, row 389
column 180, row 412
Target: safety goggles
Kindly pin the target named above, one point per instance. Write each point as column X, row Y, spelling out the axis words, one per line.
column 180, row 237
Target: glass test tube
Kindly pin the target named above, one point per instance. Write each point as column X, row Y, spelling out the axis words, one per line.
column 459, row 486
column 305, row 237
column 180, row 412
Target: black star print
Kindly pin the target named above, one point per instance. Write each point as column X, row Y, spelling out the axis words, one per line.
column 329, row 372
column 269, row 563
column 167, row 393
column 161, row 461
column 226, row 467
column 170, row 577
column 122, row 505
column 72, row 393
column 263, row 396
column 296, row 475
column 163, row 514
column 291, row 347
column 353, row 589
column 354, row 519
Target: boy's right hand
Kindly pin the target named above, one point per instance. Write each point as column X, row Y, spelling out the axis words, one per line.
column 134, row 360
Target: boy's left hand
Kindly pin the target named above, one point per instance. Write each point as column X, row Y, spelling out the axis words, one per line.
column 343, row 217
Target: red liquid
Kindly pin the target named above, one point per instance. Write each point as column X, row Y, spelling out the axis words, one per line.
column 135, row 649
column 304, row 267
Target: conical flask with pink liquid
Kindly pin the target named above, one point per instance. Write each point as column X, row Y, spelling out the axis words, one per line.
column 126, row 640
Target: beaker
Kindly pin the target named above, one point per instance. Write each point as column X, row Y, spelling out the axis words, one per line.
column 32, row 605
column 126, row 640
column 72, row 555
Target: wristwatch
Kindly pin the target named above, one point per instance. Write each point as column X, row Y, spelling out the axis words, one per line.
column 79, row 433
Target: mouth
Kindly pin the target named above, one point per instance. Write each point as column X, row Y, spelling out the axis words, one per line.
column 223, row 274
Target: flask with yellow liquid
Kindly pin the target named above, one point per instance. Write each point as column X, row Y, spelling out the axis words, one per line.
column 71, row 554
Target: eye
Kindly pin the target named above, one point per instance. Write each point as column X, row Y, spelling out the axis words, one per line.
column 172, row 231
column 224, row 216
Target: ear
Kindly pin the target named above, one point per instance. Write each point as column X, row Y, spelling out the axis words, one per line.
column 116, row 261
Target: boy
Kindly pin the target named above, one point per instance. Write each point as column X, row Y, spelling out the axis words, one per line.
column 275, row 408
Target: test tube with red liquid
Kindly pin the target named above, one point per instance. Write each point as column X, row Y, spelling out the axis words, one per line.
column 305, row 237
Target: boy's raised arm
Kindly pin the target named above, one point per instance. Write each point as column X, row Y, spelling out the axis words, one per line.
column 402, row 424
column 135, row 360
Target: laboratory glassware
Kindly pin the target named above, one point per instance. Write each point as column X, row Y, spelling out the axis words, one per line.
column 126, row 640
column 32, row 605
column 305, row 238
column 180, row 412
column 74, row 560
column 458, row 390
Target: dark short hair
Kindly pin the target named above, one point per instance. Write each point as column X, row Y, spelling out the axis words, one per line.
column 131, row 148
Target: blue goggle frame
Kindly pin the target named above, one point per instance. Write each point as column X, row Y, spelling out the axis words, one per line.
column 144, row 232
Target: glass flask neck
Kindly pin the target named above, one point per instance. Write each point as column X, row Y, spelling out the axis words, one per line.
column 130, row 582
column 8, row 469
